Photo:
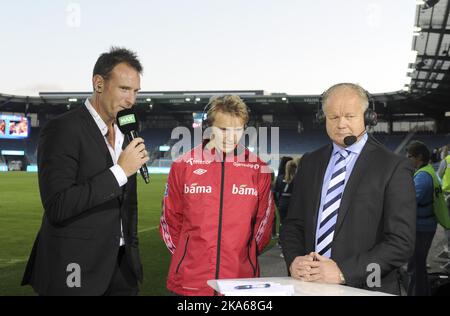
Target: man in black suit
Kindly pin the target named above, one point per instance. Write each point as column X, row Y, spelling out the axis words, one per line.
column 351, row 219
column 88, row 240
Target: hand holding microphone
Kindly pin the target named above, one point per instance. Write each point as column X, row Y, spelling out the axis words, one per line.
column 134, row 156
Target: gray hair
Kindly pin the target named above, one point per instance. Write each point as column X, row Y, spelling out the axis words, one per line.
column 362, row 93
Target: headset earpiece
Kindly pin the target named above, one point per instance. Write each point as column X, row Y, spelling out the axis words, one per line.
column 320, row 116
column 205, row 119
column 370, row 117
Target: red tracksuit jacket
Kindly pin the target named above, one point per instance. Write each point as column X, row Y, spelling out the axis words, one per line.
column 217, row 217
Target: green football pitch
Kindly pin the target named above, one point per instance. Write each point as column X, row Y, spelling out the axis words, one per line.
column 20, row 218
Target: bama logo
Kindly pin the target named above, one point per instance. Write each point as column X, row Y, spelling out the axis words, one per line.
column 243, row 190
column 197, row 189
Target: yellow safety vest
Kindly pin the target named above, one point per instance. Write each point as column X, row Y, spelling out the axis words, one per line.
column 446, row 176
column 439, row 205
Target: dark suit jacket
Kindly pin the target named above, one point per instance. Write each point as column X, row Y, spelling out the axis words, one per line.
column 376, row 220
column 83, row 205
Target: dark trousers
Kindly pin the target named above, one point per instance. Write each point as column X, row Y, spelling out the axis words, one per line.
column 123, row 282
column 283, row 208
column 417, row 266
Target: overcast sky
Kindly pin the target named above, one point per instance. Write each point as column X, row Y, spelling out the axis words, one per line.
column 292, row 46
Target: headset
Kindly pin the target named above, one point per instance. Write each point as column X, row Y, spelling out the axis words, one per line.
column 370, row 116
column 205, row 120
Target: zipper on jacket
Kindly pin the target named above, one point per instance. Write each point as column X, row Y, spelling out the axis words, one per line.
column 184, row 254
column 219, row 235
column 250, row 260
column 249, row 244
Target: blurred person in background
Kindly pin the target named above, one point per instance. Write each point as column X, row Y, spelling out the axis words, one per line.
column 278, row 187
column 426, row 222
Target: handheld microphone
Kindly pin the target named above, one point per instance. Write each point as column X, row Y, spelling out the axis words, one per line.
column 128, row 125
column 350, row 140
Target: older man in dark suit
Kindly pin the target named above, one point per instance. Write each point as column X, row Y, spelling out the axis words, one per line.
column 351, row 218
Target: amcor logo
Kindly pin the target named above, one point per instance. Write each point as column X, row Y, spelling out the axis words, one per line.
column 243, row 190
column 192, row 161
column 197, row 189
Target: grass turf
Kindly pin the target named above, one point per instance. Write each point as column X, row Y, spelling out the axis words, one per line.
column 20, row 219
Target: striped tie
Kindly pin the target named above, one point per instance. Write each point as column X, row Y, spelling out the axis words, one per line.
column 329, row 214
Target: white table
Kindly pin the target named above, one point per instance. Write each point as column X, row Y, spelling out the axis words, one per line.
column 302, row 288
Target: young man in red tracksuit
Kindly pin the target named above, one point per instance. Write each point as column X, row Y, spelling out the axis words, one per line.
column 218, row 207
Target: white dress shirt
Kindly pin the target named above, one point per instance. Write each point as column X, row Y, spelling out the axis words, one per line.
column 115, row 152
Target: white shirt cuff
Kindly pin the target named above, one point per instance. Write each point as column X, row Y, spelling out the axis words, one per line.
column 119, row 174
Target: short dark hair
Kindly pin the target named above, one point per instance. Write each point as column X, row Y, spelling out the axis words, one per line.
column 417, row 148
column 116, row 55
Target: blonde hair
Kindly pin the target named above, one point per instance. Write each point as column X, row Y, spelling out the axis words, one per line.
column 227, row 104
column 291, row 169
column 362, row 93
column 297, row 160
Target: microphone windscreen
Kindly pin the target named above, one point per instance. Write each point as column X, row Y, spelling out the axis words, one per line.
column 127, row 121
column 350, row 140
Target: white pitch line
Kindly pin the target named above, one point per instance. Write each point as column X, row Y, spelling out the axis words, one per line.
column 9, row 262
column 147, row 229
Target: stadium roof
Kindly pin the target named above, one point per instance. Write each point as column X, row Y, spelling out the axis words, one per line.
column 160, row 102
column 430, row 73
column 432, row 43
